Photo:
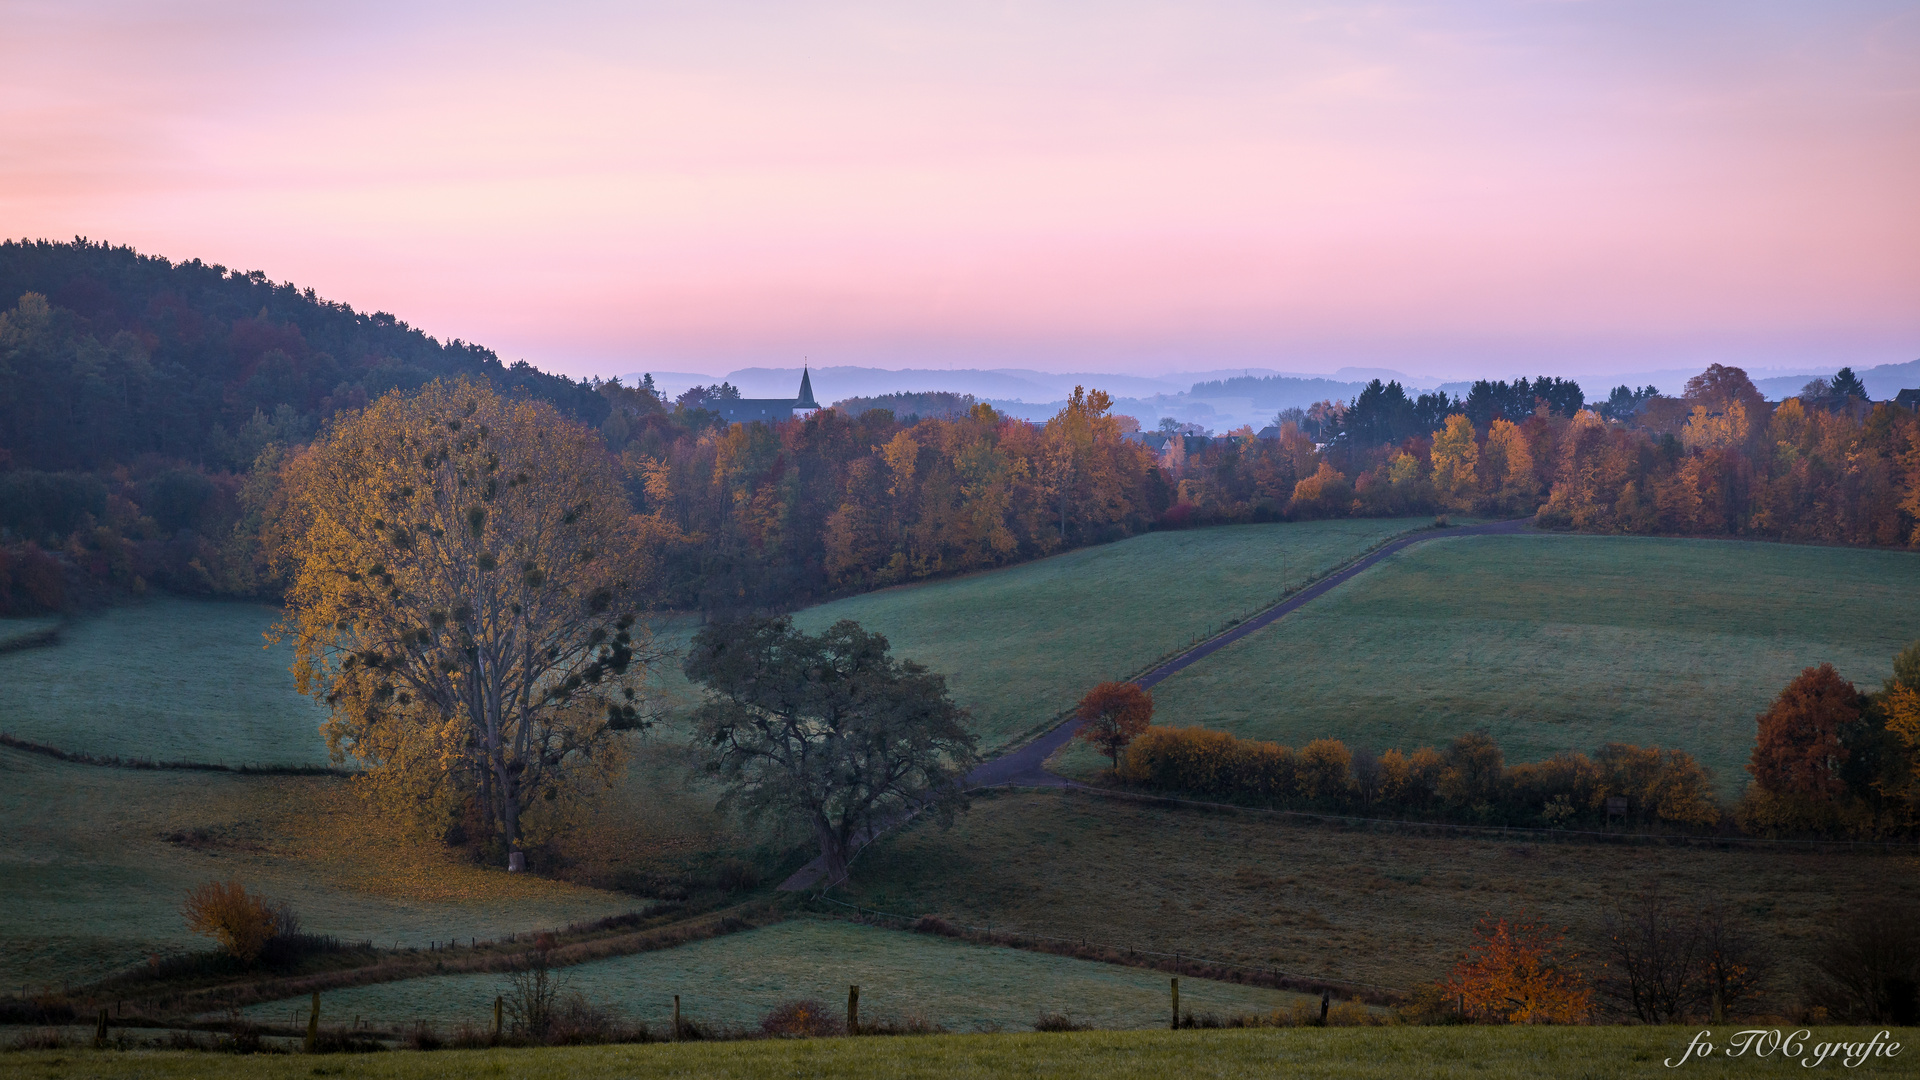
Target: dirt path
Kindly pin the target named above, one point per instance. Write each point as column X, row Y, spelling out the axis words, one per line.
column 1026, row 765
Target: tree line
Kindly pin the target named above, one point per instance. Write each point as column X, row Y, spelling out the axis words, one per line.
column 1828, row 759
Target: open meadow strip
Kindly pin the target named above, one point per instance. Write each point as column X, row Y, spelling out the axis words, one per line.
column 1021, row 644
column 1347, row 905
column 1554, row 643
column 735, row 980
column 1444, row 1053
column 167, row 679
column 98, row 861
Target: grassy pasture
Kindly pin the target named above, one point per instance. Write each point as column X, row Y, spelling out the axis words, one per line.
column 171, row 679
column 737, row 979
column 1482, row 1053
column 90, row 881
column 1019, row 645
column 1386, row 908
column 15, row 631
column 1559, row 643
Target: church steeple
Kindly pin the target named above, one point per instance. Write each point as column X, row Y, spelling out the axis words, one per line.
column 805, row 400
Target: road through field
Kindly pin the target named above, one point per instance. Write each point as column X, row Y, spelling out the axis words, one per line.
column 1025, row 766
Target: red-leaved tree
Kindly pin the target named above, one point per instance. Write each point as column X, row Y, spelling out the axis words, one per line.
column 1801, row 742
column 1112, row 714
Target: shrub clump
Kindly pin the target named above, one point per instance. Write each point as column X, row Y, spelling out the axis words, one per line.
column 242, row 922
column 1469, row 779
column 803, row 1018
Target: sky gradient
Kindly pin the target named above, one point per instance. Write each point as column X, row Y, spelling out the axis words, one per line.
column 1449, row 189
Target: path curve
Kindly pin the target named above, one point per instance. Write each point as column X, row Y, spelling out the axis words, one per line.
column 1026, row 765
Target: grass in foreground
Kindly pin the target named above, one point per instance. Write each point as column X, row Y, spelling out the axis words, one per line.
column 1386, row 908
column 1554, row 643
column 1335, row 1053
column 1021, row 644
column 735, row 980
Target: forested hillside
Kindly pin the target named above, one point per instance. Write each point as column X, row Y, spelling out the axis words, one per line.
column 136, row 395
column 109, row 355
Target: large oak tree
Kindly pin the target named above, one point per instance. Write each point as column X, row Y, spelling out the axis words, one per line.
column 463, row 599
column 827, row 731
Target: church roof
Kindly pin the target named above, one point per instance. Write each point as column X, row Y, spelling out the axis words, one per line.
column 805, row 400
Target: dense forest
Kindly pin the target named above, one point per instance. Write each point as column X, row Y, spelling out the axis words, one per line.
column 147, row 410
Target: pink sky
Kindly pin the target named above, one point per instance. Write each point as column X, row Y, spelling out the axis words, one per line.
column 1444, row 188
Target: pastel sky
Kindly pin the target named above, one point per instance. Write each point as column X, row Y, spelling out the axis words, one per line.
column 1446, row 188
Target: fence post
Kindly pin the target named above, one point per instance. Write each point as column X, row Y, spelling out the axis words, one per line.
column 313, row 1023
column 1176, row 1003
column 853, row 1010
column 676, row 1018
column 100, row 1030
column 499, row 1010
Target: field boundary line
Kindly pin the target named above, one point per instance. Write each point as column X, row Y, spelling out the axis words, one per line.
column 1275, row 977
column 1886, row 847
column 110, row 761
column 403, row 965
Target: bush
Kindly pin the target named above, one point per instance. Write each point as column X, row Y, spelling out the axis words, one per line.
column 1059, row 1021
column 803, row 1018
column 241, row 922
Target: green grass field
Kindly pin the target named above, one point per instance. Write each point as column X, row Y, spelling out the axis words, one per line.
column 1482, row 1053
column 1388, row 908
column 1556, row 643
column 171, row 679
column 735, row 980
column 1021, row 644
column 13, row 631
column 90, row 882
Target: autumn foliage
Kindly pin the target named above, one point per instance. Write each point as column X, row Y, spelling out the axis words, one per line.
column 1515, row 973
column 240, row 921
column 1468, row 779
column 465, row 574
column 1112, row 715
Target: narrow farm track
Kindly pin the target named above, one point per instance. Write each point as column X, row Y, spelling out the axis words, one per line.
column 1025, row 766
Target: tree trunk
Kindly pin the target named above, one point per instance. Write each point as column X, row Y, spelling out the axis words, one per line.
column 833, row 855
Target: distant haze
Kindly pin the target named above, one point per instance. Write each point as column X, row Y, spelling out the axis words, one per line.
column 1451, row 190
column 1217, row 400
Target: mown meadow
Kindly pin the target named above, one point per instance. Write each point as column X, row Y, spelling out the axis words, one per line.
column 735, row 980
column 169, row 679
column 97, row 861
column 1391, row 907
column 1022, row 644
column 1552, row 643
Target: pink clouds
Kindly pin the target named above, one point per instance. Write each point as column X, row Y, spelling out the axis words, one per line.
column 599, row 189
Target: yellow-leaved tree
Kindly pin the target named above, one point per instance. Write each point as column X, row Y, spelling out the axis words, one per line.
column 1455, row 453
column 464, row 599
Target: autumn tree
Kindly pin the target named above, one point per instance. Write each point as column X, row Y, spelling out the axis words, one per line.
column 1801, row 747
column 1455, row 453
column 1111, row 715
column 1515, row 973
column 828, row 731
column 1900, row 699
column 464, row 599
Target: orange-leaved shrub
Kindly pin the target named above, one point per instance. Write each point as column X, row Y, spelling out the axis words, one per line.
column 240, row 921
column 1514, row 973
